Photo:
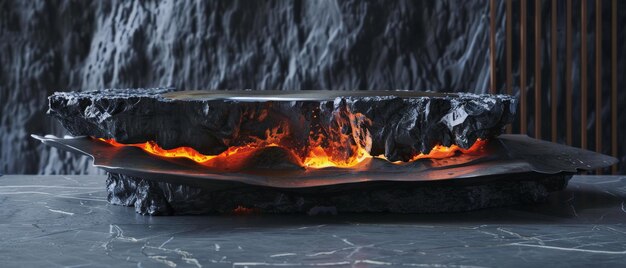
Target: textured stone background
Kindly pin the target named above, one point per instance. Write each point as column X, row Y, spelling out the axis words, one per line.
column 48, row 46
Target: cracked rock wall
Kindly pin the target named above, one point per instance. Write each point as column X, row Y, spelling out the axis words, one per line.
column 48, row 46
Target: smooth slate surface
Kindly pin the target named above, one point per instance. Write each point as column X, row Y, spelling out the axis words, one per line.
column 65, row 221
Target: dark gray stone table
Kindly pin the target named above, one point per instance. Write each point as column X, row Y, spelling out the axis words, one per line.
column 49, row 221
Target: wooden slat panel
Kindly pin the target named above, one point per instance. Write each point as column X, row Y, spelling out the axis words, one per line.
column 568, row 72
column 598, row 86
column 583, row 74
column 523, row 126
column 509, row 51
column 492, row 45
column 614, row 82
column 553, row 69
column 538, row 114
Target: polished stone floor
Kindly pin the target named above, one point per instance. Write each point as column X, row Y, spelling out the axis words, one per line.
column 50, row 221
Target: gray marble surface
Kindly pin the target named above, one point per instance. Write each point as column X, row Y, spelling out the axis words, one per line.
column 49, row 221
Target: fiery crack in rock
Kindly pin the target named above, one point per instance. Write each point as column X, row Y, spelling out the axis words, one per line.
column 313, row 129
column 345, row 143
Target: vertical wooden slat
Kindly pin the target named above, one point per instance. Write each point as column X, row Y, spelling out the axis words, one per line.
column 492, row 44
column 538, row 114
column 522, row 82
column 614, row 82
column 598, row 86
column 553, row 69
column 583, row 74
column 568, row 72
column 509, row 51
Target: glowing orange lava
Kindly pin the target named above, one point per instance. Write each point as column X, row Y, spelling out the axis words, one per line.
column 344, row 142
column 318, row 157
column 440, row 151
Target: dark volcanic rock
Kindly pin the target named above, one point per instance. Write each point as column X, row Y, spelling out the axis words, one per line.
column 398, row 124
column 160, row 198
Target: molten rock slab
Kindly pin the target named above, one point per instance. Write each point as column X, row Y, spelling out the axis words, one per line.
column 396, row 124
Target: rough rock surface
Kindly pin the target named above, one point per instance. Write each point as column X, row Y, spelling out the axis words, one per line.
column 160, row 198
column 399, row 127
column 438, row 45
